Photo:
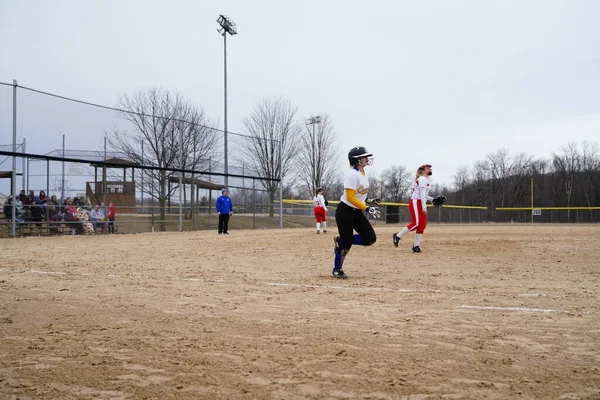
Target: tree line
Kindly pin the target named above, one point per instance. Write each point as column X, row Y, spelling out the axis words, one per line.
column 168, row 131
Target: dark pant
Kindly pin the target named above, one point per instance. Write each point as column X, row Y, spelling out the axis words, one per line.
column 349, row 219
column 223, row 223
column 111, row 225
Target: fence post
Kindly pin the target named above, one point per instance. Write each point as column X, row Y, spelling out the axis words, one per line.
column 14, row 162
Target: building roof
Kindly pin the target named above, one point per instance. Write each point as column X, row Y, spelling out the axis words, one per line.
column 202, row 184
column 118, row 162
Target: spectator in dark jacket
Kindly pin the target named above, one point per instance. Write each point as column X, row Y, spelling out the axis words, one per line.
column 53, row 207
column 224, row 209
column 37, row 210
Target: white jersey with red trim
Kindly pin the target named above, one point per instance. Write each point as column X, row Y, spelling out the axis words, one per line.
column 319, row 201
column 421, row 183
column 355, row 180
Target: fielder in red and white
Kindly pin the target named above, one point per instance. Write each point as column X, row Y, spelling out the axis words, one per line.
column 320, row 210
column 418, row 207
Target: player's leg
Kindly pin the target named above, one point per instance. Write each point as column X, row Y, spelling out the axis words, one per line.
column 366, row 234
column 324, row 220
column 343, row 241
column 318, row 218
column 413, row 209
column 419, row 231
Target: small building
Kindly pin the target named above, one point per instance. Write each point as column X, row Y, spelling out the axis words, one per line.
column 121, row 193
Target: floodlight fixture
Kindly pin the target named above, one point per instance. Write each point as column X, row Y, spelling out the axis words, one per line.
column 227, row 25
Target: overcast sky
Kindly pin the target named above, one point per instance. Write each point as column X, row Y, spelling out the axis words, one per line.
column 440, row 82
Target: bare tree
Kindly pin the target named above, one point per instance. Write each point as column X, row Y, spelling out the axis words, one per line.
column 590, row 165
column 480, row 178
column 270, row 125
column 461, row 182
column 396, row 182
column 461, row 178
column 502, row 167
column 160, row 121
column 57, row 185
column 567, row 164
column 318, row 154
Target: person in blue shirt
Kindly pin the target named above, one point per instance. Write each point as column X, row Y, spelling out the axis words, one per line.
column 224, row 209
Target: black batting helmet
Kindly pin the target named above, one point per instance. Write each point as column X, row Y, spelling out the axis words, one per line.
column 357, row 152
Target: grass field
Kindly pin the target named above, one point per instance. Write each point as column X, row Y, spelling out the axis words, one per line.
column 485, row 312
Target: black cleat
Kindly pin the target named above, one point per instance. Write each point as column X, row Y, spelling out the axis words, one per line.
column 416, row 249
column 396, row 239
column 339, row 273
column 324, row 230
column 318, row 232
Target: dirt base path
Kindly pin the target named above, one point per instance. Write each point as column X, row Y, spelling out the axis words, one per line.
column 485, row 312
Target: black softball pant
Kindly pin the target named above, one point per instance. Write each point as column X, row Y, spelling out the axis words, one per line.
column 349, row 219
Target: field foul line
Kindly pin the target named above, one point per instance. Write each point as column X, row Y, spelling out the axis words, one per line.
column 542, row 310
column 378, row 289
column 541, row 295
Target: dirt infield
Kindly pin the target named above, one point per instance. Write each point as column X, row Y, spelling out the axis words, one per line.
column 485, row 312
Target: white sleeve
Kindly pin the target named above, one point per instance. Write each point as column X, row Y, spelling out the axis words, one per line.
column 423, row 194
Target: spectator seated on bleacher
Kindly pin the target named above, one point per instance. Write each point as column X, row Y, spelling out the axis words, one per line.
column 97, row 218
column 37, row 208
column 84, row 216
column 53, row 209
column 69, row 216
column 23, row 204
column 7, row 210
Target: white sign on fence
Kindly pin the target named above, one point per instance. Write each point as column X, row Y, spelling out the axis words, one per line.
column 536, row 211
column 75, row 169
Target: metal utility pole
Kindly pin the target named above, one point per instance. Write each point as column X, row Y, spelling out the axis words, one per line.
column 182, row 161
column 227, row 26
column 143, row 173
column 25, row 170
column 280, row 182
column 14, row 162
column 62, row 183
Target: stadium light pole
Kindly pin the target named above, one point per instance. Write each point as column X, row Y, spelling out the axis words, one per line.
column 313, row 121
column 227, row 26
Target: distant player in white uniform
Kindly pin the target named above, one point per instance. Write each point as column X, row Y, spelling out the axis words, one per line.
column 349, row 215
column 320, row 210
column 418, row 207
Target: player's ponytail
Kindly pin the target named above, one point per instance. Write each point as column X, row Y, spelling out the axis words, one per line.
column 419, row 173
